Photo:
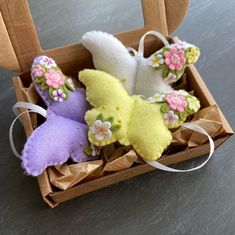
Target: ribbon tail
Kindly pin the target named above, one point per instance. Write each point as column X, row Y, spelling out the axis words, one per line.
column 193, row 127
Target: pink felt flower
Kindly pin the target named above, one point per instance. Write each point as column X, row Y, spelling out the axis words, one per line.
column 54, row 78
column 170, row 117
column 38, row 72
column 176, row 101
column 175, row 59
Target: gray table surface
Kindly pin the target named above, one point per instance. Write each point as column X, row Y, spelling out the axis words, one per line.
column 201, row 202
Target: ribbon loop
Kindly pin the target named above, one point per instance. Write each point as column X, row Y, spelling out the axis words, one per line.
column 31, row 108
column 37, row 109
column 154, row 33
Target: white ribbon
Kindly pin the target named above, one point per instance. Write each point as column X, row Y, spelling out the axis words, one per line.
column 37, row 109
column 154, row 33
column 193, row 127
column 32, row 108
column 140, row 51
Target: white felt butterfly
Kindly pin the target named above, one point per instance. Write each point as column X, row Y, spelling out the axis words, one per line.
column 139, row 75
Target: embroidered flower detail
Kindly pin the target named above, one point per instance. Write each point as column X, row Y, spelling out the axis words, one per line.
column 157, row 60
column 54, row 78
column 171, row 78
column 58, row 95
column 36, row 61
column 192, row 54
column 175, row 59
column 176, row 101
column 181, row 44
column 38, row 72
column 47, row 62
column 70, row 82
column 95, row 151
column 193, row 103
column 157, row 98
column 170, row 118
column 182, row 92
column 92, row 150
column 101, row 130
column 177, row 106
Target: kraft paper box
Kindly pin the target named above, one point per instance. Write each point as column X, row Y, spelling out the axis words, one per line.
column 19, row 46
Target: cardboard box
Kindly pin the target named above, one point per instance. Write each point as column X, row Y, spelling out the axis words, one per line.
column 20, row 44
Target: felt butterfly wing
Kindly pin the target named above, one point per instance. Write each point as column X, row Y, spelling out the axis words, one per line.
column 64, row 133
column 116, row 116
column 111, row 56
column 144, row 76
column 53, row 143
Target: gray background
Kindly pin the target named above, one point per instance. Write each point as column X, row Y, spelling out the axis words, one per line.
column 202, row 202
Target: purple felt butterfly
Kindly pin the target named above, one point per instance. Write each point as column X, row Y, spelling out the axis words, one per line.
column 64, row 133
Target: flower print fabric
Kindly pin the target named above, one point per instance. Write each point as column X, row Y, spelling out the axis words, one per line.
column 176, row 101
column 175, row 59
column 101, row 130
column 48, row 75
column 54, row 78
column 176, row 106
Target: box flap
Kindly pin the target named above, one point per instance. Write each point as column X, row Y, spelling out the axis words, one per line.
column 21, row 43
column 8, row 58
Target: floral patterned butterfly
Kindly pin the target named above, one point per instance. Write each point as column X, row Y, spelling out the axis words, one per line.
column 140, row 75
column 132, row 120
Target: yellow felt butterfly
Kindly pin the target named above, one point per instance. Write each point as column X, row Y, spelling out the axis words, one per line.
column 117, row 116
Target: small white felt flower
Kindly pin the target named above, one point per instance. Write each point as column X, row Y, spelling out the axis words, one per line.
column 95, row 150
column 157, row 60
column 47, row 62
column 183, row 93
column 171, row 78
column 170, row 117
column 58, row 95
column 151, row 99
column 181, row 44
column 157, row 98
column 101, row 130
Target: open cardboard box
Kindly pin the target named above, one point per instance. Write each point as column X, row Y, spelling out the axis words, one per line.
column 20, row 44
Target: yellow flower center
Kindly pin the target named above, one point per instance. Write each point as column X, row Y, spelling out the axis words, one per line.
column 101, row 130
column 156, row 60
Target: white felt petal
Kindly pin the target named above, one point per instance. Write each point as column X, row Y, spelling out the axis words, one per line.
column 107, row 124
column 54, row 93
column 111, row 56
column 109, row 134
column 99, row 137
column 93, row 130
column 60, row 92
